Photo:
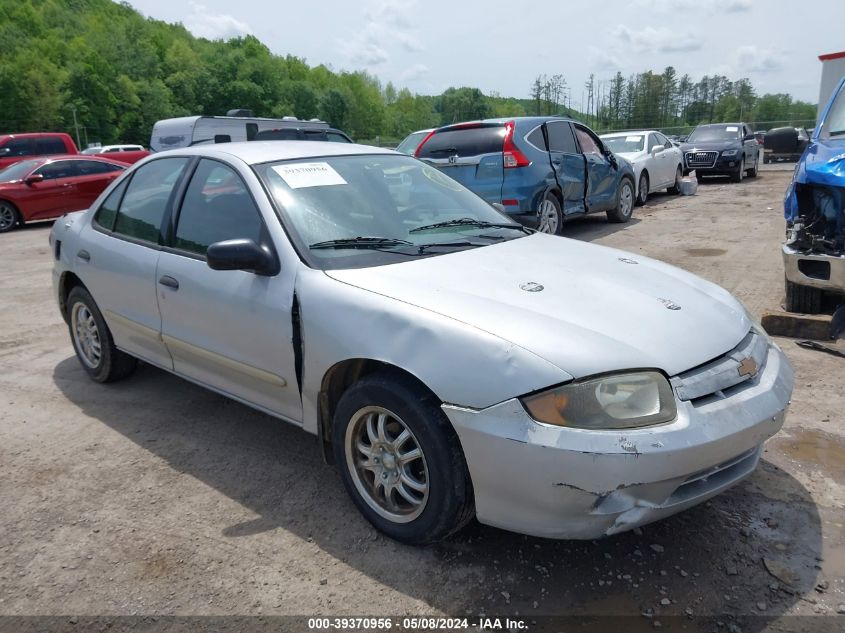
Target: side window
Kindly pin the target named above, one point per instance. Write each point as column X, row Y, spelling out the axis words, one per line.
column 589, row 145
column 91, row 167
column 217, row 207
column 537, row 139
column 560, row 137
column 18, row 147
column 147, row 197
column 49, row 145
column 334, row 137
column 58, row 169
column 108, row 210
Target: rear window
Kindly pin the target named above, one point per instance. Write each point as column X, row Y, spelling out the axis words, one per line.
column 471, row 141
column 49, row 145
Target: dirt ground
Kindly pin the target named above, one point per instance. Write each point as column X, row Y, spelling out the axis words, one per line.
column 154, row 496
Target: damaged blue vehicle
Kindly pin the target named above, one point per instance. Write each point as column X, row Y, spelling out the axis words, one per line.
column 814, row 207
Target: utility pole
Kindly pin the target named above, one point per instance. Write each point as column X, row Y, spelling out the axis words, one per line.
column 76, row 125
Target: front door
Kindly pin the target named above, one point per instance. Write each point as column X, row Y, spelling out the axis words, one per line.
column 601, row 173
column 231, row 330
column 54, row 195
column 569, row 166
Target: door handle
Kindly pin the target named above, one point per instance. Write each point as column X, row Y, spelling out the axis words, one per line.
column 84, row 255
column 170, row 282
column 556, row 162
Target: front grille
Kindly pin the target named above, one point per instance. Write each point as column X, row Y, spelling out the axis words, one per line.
column 724, row 373
column 701, row 159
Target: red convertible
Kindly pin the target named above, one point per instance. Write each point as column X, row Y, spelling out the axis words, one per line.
column 48, row 187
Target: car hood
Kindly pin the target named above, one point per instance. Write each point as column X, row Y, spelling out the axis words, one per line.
column 823, row 163
column 585, row 308
column 711, row 145
column 632, row 157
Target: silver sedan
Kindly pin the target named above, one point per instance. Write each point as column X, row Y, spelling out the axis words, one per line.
column 450, row 362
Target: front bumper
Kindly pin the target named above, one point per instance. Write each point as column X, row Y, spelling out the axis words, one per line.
column 558, row 482
column 818, row 271
column 723, row 166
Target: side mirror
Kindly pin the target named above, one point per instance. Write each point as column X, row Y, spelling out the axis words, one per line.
column 498, row 206
column 749, row 137
column 242, row 254
column 656, row 149
column 34, row 178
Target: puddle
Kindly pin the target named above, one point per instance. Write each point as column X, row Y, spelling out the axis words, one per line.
column 705, row 252
column 817, row 450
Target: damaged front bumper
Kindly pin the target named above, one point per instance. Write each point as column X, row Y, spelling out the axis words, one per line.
column 816, row 270
column 572, row 483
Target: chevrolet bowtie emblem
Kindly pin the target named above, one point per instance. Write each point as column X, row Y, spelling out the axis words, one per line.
column 748, row 367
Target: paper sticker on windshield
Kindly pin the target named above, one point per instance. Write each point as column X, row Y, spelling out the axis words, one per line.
column 300, row 175
column 732, row 128
column 633, row 139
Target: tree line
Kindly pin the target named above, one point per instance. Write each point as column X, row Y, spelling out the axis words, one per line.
column 107, row 69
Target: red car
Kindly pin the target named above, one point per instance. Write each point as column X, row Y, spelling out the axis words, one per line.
column 48, row 187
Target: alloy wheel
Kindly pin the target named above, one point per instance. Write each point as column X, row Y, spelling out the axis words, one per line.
column 387, row 464
column 86, row 335
column 8, row 217
column 548, row 217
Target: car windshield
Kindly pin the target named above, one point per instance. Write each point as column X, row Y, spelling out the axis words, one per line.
column 622, row 144
column 356, row 211
column 18, row 170
column 409, row 145
column 708, row 133
column 834, row 122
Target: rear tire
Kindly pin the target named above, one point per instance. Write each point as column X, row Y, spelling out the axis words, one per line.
column 624, row 202
column 550, row 215
column 92, row 340
column 802, row 299
column 437, row 500
column 676, row 188
column 10, row 217
column 642, row 190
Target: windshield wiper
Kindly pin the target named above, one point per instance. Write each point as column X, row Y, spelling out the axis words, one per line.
column 361, row 242
column 468, row 222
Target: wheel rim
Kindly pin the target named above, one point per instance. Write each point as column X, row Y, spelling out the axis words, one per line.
column 387, row 464
column 548, row 217
column 678, row 177
column 7, row 217
column 643, row 188
column 742, row 169
column 86, row 336
column 626, row 199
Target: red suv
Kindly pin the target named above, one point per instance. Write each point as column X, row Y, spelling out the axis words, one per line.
column 16, row 147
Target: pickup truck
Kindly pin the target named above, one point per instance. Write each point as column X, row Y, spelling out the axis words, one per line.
column 814, row 208
column 17, row 147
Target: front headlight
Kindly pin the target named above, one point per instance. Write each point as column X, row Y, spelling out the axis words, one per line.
column 730, row 152
column 617, row 401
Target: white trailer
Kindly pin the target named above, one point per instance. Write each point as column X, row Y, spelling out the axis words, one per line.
column 833, row 69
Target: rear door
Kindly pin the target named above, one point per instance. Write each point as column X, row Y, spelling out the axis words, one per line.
column 569, row 166
column 601, row 174
column 470, row 154
column 94, row 176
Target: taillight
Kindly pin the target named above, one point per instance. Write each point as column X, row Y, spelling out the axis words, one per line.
column 419, row 147
column 511, row 155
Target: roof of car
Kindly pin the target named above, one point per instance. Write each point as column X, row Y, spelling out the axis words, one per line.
column 255, row 152
column 629, row 133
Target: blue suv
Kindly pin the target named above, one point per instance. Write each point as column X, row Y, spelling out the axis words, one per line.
column 542, row 170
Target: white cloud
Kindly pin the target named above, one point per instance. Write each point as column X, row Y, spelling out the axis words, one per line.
column 202, row 23
column 414, row 72
column 387, row 23
column 758, row 60
column 660, row 40
column 681, row 6
column 603, row 60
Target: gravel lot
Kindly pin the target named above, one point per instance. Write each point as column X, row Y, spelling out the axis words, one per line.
column 153, row 496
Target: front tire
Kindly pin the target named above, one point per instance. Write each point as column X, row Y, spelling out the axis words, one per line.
column 642, row 190
column 400, row 459
column 676, row 188
column 738, row 175
column 752, row 172
column 92, row 340
column 802, row 299
column 10, row 217
column 624, row 202
column 550, row 215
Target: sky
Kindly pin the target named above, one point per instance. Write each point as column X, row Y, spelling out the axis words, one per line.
column 502, row 46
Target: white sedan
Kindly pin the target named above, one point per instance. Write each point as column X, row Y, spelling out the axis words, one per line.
column 658, row 164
